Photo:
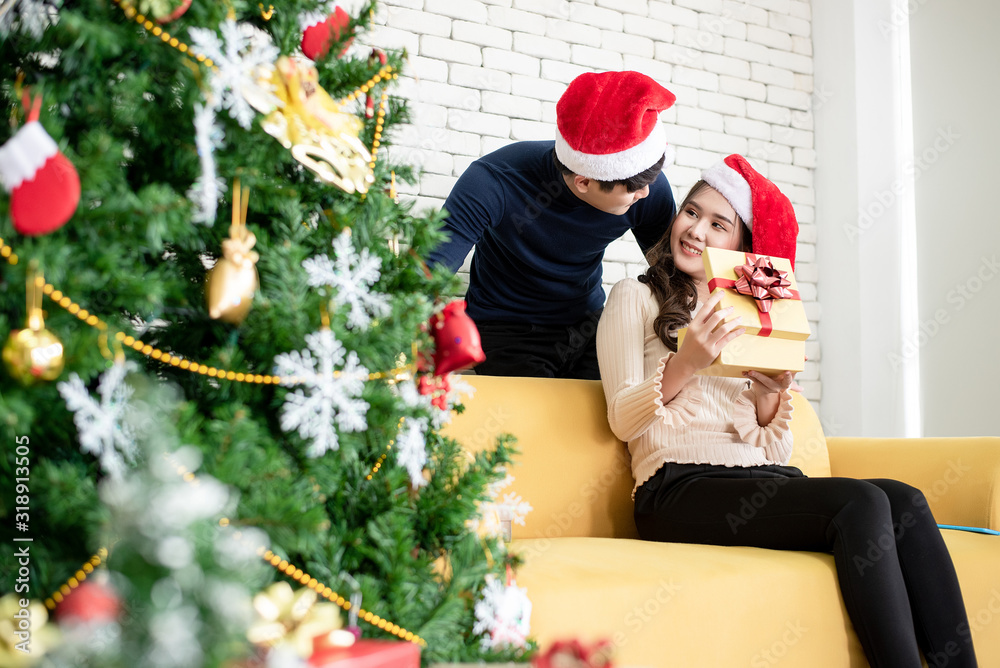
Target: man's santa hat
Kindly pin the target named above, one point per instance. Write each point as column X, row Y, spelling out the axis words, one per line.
column 608, row 124
column 764, row 209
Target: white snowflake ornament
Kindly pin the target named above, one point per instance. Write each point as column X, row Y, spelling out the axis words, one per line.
column 205, row 190
column 333, row 382
column 350, row 275
column 459, row 388
column 101, row 424
column 239, row 57
column 33, row 17
column 411, row 449
column 496, row 512
column 503, row 614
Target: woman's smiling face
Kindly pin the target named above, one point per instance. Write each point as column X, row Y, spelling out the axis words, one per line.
column 706, row 219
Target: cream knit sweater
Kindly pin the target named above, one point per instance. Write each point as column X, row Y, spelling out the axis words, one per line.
column 710, row 421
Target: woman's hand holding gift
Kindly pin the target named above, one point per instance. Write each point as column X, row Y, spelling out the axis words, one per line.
column 708, row 334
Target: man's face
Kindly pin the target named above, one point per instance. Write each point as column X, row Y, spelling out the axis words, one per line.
column 616, row 202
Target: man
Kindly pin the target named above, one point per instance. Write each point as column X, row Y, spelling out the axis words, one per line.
column 541, row 215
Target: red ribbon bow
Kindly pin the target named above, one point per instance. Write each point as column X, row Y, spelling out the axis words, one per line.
column 759, row 279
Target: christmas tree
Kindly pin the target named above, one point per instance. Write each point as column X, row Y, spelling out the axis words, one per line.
column 222, row 362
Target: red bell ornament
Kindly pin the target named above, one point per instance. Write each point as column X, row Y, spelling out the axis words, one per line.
column 456, row 339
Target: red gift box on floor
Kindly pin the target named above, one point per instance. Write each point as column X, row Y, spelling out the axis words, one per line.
column 369, row 654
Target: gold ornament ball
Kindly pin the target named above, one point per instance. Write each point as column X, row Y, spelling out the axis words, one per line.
column 229, row 290
column 33, row 355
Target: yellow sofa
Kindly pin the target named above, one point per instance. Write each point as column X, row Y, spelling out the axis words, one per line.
column 674, row 605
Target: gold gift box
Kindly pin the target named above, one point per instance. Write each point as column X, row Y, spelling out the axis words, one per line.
column 783, row 349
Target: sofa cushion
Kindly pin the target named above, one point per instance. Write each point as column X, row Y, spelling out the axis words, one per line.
column 976, row 557
column 572, row 469
column 677, row 605
column 959, row 476
column 809, row 451
column 667, row 604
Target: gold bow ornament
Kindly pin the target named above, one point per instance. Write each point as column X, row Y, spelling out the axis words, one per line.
column 304, row 118
column 295, row 621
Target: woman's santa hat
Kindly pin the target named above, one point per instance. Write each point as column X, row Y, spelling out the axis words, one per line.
column 764, row 209
column 608, row 124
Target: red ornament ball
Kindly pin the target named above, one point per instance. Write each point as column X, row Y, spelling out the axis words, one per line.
column 163, row 11
column 91, row 601
column 176, row 14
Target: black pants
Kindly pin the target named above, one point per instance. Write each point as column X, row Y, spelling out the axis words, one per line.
column 541, row 351
column 896, row 576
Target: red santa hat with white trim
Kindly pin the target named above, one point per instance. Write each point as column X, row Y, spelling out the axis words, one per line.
column 608, row 124
column 765, row 210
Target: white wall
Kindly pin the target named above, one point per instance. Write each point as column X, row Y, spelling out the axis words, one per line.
column 956, row 100
column 861, row 218
column 907, row 246
column 485, row 73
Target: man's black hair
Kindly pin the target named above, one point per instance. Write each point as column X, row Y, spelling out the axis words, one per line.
column 632, row 183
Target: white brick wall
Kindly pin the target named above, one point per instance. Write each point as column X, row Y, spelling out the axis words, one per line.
column 484, row 73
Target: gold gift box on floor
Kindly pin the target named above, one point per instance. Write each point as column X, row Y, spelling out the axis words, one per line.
column 774, row 342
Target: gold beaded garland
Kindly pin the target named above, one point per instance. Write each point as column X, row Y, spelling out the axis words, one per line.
column 304, row 578
column 284, row 566
column 148, row 25
column 385, row 454
column 168, row 358
column 157, row 31
column 72, row 583
column 386, row 72
column 379, row 124
column 7, row 253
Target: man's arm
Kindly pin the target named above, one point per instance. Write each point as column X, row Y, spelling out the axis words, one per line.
column 658, row 209
column 476, row 202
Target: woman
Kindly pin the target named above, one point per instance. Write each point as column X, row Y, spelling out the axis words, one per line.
column 701, row 444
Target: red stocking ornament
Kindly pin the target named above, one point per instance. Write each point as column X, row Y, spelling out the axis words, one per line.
column 318, row 35
column 43, row 184
column 456, row 339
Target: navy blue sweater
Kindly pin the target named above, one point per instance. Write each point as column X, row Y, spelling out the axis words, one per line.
column 539, row 247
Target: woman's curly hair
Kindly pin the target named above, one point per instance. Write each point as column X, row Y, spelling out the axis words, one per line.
column 674, row 290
